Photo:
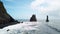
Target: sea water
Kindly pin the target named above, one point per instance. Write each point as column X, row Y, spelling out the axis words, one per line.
column 39, row 27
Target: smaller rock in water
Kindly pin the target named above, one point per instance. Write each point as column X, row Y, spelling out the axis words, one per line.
column 47, row 20
column 8, row 30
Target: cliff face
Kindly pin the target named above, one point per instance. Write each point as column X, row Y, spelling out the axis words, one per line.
column 3, row 14
column 5, row 18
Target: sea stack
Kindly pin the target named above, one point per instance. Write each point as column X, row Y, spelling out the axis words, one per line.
column 5, row 18
column 33, row 18
column 47, row 20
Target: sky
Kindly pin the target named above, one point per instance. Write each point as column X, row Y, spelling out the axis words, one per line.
column 24, row 9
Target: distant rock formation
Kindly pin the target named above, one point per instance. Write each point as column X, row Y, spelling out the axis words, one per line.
column 5, row 18
column 47, row 20
column 33, row 18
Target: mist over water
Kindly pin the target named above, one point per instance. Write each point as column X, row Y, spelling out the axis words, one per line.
column 39, row 27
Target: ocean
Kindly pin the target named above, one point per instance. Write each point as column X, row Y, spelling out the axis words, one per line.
column 39, row 27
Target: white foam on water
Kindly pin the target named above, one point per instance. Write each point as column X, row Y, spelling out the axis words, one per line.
column 28, row 28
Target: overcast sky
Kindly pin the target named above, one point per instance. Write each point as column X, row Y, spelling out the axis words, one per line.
column 23, row 9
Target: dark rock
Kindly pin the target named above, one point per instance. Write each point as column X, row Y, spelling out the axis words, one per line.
column 8, row 30
column 47, row 20
column 21, row 22
column 5, row 18
column 33, row 18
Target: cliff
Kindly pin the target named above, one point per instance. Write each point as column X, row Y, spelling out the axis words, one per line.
column 5, row 18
